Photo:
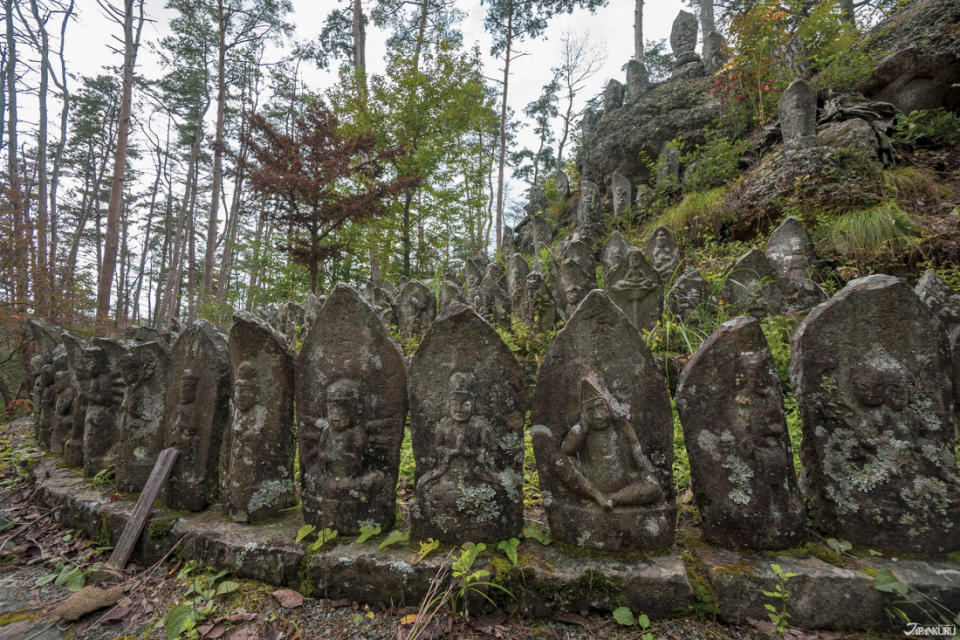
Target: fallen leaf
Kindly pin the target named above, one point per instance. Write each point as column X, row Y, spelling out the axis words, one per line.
column 288, row 598
column 246, row 632
column 217, row 632
column 117, row 613
column 572, row 618
column 410, row 618
column 241, row 616
column 336, row 604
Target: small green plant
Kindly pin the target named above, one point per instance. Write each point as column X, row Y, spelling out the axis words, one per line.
column 509, row 548
column 425, row 549
column 469, row 581
column 323, row 537
column 198, row 602
column 395, row 536
column 717, row 161
column 873, row 231
column 778, row 613
column 368, row 531
column 71, row 576
column 104, row 477
column 928, row 127
column 535, row 533
column 624, row 617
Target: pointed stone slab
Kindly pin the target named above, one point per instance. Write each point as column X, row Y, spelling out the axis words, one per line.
column 663, row 253
column 741, row 463
column 614, row 251
column 751, row 286
column 145, row 375
column 416, row 309
column 621, row 192
column 196, row 417
column 104, row 395
column 792, row 256
column 611, row 486
column 259, row 482
column 352, row 406
column 517, row 270
column 879, row 467
column 65, row 402
column 691, row 296
column 577, row 275
column 798, row 116
column 466, row 420
column 635, row 287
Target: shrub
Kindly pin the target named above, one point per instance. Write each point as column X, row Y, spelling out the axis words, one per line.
column 928, row 127
column 697, row 216
column 713, row 163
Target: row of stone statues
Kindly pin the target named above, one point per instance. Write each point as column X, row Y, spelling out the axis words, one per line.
column 875, row 397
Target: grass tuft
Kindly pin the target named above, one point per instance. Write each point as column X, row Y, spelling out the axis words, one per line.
column 871, row 231
column 699, row 214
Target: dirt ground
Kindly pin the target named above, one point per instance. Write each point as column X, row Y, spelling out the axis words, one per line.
column 40, row 562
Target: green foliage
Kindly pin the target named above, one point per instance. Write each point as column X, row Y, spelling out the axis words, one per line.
column 368, row 531
column 426, row 547
column 698, row 217
column 779, row 331
column 71, row 576
column 524, row 341
column 469, row 581
column 624, row 617
column 535, row 533
column 887, row 582
column 716, row 161
column 407, row 461
column 509, row 548
column 198, row 603
column 778, row 613
column 394, row 537
column 323, row 537
column 928, row 127
column 104, row 477
column 870, row 232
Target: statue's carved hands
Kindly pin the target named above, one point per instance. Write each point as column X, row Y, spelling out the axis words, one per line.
column 601, row 499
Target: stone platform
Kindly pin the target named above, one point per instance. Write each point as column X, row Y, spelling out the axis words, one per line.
column 546, row 580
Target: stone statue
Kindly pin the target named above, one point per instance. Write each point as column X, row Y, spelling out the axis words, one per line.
column 383, row 302
column 879, row 467
column 638, row 80
column 613, row 96
column 45, row 390
column 741, row 463
column 578, row 275
column 417, row 308
column 63, row 410
column 751, row 286
column 614, row 251
column 603, row 435
column 352, row 406
column 466, row 421
column 473, row 271
column 589, row 210
column 663, row 253
column 517, row 270
column 259, row 482
column 791, row 254
column 145, row 374
column 635, row 287
column 621, row 192
column 944, row 302
column 196, row 417
column 494, row 301
column 798, row 116
column 103, row 394
column 73, row 445
column 534, row 305
column 691, row 297
column 683, row 42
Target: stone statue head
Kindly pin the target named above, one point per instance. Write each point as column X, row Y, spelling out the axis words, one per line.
column 595, row 410
column 188, row 386
column 461, row 397
column 62, row 380
column 46, row 373
column 93, row 363
column 343, row 404
column 246, row 388
column 572, row 279
column 879, row 379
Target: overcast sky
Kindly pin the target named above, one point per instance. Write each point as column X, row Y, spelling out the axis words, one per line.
column 89, row 43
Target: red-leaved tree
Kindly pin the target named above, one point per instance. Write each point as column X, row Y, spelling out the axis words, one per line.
column 320, row 180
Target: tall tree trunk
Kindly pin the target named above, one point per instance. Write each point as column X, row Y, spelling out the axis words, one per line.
column 42, row 293
column 566, row 129
column 206, row 285
column 13, row 163
column 257, row 254
column 131, row 44
column 192, row 253
column 405, row 238
column 707, row 22
column 501, row 163
column 638, row 31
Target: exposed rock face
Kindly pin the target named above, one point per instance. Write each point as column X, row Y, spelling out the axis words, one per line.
column 751, row 286
column 589, row 211
column 635, row 287
column 473, row 270
column 417, row 308
column 196, row 416
column 45, row 393
column 352, row 405
column 741, row 463
column 791, row 254
column 64, row 405
column 944, row 302
column 614, row 251
column 259, row 481
column 691, row 295
column 621, row 193
column 466, row 421
column 853, row 134
column 714, row 52
column 638, row 80
column 140, row 334
column 384, row 304
column 923, row 70
column 562, row 184
column 878, row 460
column 669, row 166
column 613, row 96
column 534, row 304
column 73, row 445
column 103, row 394
column 604, row 435
column 663, row 253
column 798, row 116
column 578, row 275
column 517, row 271
column 494, row 300
column 145, row 375
column 451, row 293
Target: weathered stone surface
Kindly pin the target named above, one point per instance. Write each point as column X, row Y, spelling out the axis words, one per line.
column 561, row 183
column 741, row 463
column 578, row 275
column 714, row 52
column 613, row 96
column 64, row 405
column 73, row 444
column 879, row 467
column 45, row 402
column 798, row 116
column 537, row 203
column 416, row 308
column 259, row 482
column 853, row 134
column 638, row 80
column 792, row 256
column 509, row 242
column 534, row 305
column 103, row 393
column 466, row 421
column 822, row 596
column 614, row 251
column 589, row 211
column 683, row 36
column 494, row 300
column 384, row 304
column 604, row 435
column 135, row 333
column 691, row 296
column 196, row 415
column 751, row 286
column 636, row 288
column 668, row 162
column 352, row 405
column 621, row 193
column 473, row 270
column 517, row 271
column 311, row 306
column 145, row 374
column 663, row 253
column 944, row 302
column 451, row 293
